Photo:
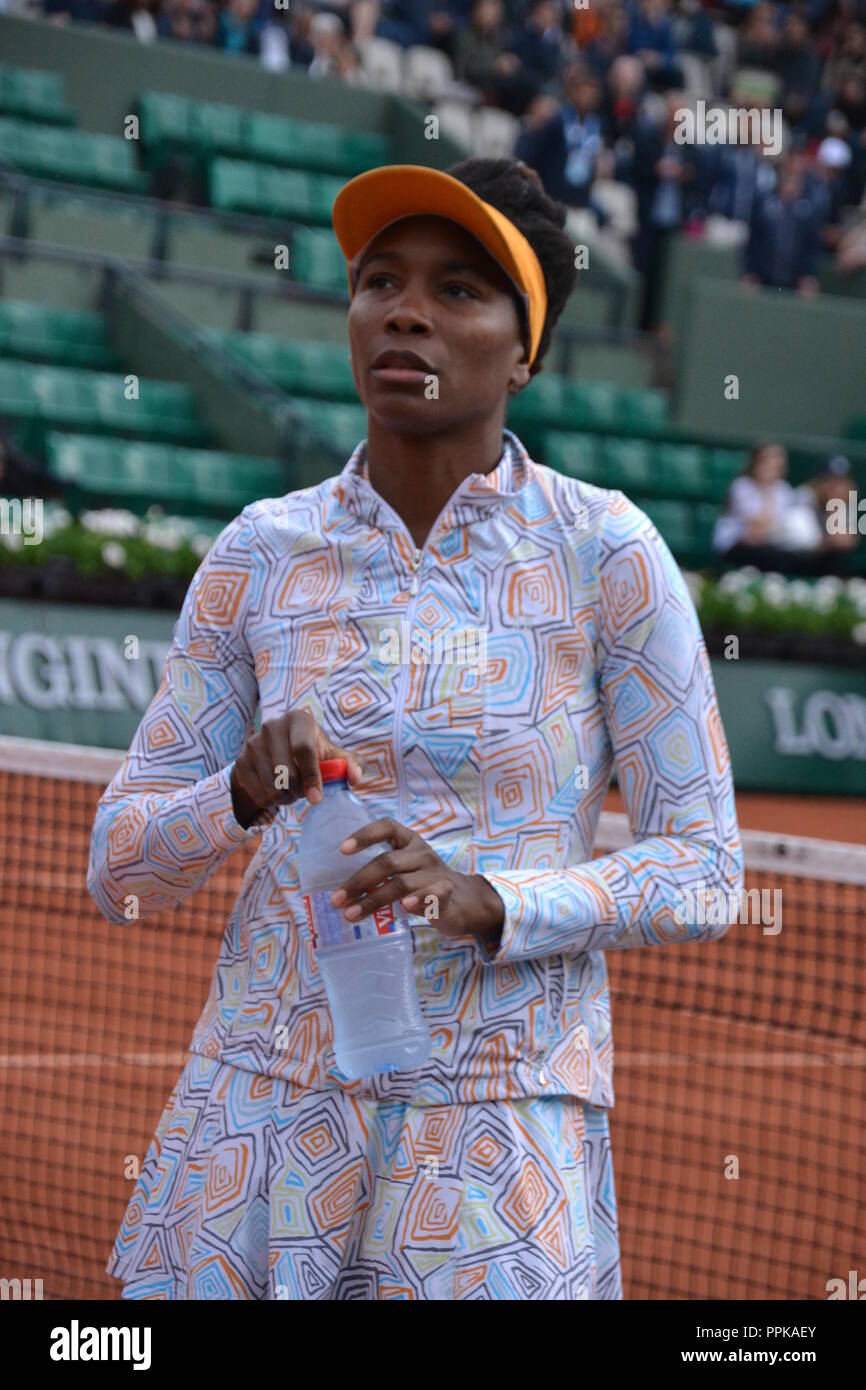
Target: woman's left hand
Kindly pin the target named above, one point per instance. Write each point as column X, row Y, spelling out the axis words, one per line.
column 459, row 904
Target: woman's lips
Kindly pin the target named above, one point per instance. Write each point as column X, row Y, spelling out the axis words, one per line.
column 398, row 374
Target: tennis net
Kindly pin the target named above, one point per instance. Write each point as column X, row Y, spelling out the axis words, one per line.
column 739, row 1130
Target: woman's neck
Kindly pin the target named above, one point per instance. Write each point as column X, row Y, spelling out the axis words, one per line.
column 418, row 474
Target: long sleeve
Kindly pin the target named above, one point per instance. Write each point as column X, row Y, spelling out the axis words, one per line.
column 165, row 822
column 673, row 770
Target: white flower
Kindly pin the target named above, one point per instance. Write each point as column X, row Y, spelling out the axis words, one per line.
column 164, row 536
column 732, row 582
column 774, row 590
column 114, row 555
column 830, row 584
column 110, row 522
column 200, row 546
column 750, row 573
column 746, row 602
column 11, row 540
column 54, row 519
column 859, row 634
column 823, row 599
column 800, row 592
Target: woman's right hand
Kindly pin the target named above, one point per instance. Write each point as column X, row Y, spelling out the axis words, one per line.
column 285, row 751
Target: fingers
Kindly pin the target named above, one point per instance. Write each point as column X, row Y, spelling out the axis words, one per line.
column 386, row 829
column 304, row 745
column 393, row 865
column 327, row 749
column 418, row 886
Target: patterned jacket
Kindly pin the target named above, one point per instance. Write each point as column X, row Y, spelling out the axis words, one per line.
column 582, row 651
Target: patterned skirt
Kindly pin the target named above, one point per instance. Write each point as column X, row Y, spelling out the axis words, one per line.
column 252, row 1188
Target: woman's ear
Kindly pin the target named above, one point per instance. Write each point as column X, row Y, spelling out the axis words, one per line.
column 519, row 377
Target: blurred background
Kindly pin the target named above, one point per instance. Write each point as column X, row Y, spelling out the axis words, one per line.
column 173, row 346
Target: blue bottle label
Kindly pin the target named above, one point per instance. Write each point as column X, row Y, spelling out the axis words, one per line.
column 330, row 928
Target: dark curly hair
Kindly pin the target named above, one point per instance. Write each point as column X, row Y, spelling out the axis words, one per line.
column 515, row 190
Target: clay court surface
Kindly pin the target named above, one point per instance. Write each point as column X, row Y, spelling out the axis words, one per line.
column 746, row 1052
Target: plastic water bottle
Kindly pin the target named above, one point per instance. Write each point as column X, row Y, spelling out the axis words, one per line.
column 366, row 966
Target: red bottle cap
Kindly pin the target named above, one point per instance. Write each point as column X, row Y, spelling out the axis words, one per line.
column 333, row 769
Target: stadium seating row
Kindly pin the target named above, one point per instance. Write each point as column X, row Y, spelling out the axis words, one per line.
column 171, row 124
column 34, row 95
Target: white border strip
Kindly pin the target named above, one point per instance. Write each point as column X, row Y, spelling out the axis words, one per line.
column 765, row 852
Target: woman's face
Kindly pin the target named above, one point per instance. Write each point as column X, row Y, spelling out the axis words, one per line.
column 770, row 465
column 428, row 288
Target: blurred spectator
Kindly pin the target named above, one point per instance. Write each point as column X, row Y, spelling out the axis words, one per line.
column 189, row 21
column 407, row 22
column 766, row 522
column 783, row 244
column 799, row 67
column 333, row 54
column 239, row 26
column 651, row 38
column 537, row 42
column 740, row 175
column 664, row 175
column 480, row 58
column 137, row 15
column 565, row 147
column 758, row 41
column 833, row 485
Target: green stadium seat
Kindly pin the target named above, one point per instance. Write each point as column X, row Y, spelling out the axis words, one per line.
column 71, row 337
column 642, row 411
column 104, row 161
column 674, row 521
column 575, row 455
column 342, row 427
column 628, row 465
column 194, row 481
column 45, row 398
column 203, row 241
column 312, row 145
column 34, row 95
column 681, row 470
column 593, row 405
column 315, row 258
column 305, row 368
column 723, row 467
column 239, row 186
column 172, row 124
column 542, row 401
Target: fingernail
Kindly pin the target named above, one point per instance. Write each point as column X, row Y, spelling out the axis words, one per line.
column 347, row 846
column 314, row 795
column 338, row 897
column 410, row 902
column 352, row 912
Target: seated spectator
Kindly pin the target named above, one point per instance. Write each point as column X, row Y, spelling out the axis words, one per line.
column 188, row 21
column 766, row 522
column 537, row 42
column 833, row 486
column 759, row 40
column 741, row 174
column 567, row 148
column 238, row 27
column 139, row 16
column 651, row 39
column 333, row 54
column 848, row 61
column 799, row 67
column 607, row 41
column 782, row 249
column 481, row 60
column 434, row 23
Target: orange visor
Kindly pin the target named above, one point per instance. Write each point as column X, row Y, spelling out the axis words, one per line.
column 369, row 203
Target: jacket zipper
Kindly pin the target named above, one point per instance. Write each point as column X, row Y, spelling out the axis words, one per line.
column 417, row 559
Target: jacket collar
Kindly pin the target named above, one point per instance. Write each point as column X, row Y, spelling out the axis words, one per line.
column 478, row 494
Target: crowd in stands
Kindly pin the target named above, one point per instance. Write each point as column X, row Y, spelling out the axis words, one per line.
column 597, row 89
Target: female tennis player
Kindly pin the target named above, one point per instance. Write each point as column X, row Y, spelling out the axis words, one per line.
column 486, row 1173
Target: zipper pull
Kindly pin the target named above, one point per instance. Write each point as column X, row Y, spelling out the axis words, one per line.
column 416, row 560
